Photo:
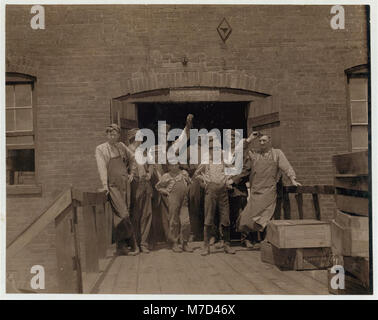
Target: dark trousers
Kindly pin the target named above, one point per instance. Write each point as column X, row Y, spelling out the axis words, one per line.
column 142, row 212
column 196, row 213
column 216, row 196
column 237, row 204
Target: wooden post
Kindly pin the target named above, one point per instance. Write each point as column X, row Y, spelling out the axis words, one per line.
column 109, row 223
column 79, row 276
column 91, row 241
column 299, row 198
column 277, row 211
column 101, row 228
column 315, row 200
column 286, row 205
column 65, row 251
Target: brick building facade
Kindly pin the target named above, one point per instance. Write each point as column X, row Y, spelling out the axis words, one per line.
column 287, row 57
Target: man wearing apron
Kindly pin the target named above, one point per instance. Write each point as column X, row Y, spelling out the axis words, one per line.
column 114, row 160
column 263, row 169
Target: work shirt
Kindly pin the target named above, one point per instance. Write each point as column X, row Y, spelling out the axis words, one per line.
column 167, row 181
column 212, row 173
column 104, row 152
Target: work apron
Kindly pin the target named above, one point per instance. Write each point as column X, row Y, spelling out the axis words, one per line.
column 118, row 186
column 262, row 202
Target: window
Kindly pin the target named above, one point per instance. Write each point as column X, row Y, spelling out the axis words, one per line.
column 358, row 106
column 20, row 128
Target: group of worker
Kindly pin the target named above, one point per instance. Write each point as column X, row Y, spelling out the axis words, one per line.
column 184, row 202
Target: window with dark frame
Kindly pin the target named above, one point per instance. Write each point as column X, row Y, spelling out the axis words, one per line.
column 20, row 128
column 357, row 78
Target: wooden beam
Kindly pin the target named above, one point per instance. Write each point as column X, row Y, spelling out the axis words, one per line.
column 128, row 123
column 299, row 199
column 77, row 262
column 64, row 248
column 352, row 163
column 350, row 204
column 20, row 133
column 101, row 227
column 286, row 206
column 265, row 119
column 315, row 201
column 24, row 189
column 83, row 198
column 320, row 189
column 91, row 250
column 55, row 209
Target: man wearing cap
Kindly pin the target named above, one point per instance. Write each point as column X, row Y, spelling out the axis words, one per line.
column 141, row 195
column 264, row 168
column 116, row 167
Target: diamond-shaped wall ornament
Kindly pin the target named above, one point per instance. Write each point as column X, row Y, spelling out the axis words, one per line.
column 224, row 29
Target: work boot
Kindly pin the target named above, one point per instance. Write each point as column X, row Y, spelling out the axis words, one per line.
column 248, row 244
column 228, row 248
column 122, row 249
column 186, row 247
column 219, row 244
column 134, row 246
column 226, row 238
column 144, row 249
column 206, row 247
column 176, row 248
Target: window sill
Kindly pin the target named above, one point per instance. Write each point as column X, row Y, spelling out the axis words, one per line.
column 24, row 189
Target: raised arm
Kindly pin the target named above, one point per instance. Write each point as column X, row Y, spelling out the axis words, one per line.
column 184, row 136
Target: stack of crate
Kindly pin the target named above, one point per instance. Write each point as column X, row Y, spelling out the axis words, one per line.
column 350, row 227
column 297, row 244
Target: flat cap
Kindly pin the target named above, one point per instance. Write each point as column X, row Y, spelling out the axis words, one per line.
column 113, row 127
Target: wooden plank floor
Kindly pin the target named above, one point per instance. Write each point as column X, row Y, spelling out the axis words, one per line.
column 164, row 272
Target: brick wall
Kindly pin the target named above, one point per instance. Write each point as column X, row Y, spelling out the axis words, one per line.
column 90, row 54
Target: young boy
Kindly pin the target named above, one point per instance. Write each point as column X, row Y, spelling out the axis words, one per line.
column 174, row 184
column 216, row 195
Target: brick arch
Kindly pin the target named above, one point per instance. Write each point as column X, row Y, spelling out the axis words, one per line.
column 142, row 82
column 22, row 65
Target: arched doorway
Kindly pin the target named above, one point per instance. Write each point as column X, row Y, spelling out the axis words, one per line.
column 213, row 107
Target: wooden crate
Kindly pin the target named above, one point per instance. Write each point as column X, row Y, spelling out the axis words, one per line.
column 286, row 234
column 352, row 182
column 296, row 259
column 359, row 268
column 351, row 204
column 352, row 163
column 354, row 222
column 352, row 285
column 349, row 241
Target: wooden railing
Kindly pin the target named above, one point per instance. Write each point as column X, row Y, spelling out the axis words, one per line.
column 283, row 200
column 97, row 226
column 95, row 212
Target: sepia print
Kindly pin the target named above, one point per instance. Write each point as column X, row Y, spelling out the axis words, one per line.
column 188, row 149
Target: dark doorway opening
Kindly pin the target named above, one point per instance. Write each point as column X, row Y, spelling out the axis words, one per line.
column 207, row 115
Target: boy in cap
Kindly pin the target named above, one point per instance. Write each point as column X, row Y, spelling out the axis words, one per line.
column 216, row 196
column 174, row 184
column 116, row 167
